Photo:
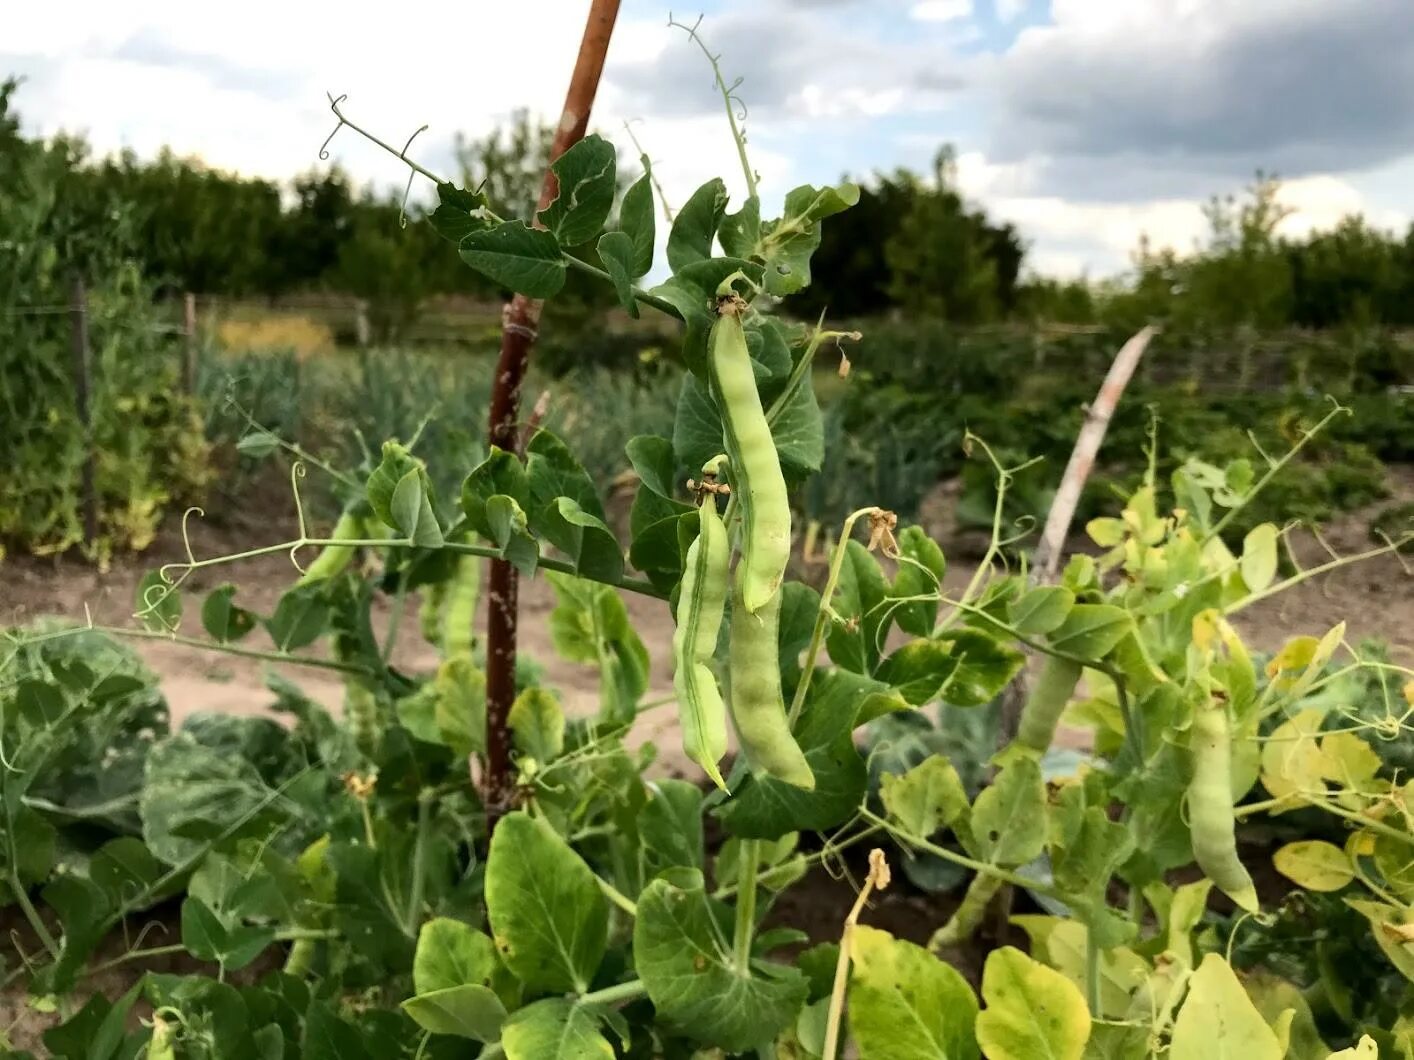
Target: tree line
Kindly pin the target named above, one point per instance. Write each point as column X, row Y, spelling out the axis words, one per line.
column 913, row 245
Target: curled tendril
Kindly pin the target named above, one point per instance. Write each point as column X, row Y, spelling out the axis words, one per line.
column 403, row 210
column 186, row 538
column 334, row 106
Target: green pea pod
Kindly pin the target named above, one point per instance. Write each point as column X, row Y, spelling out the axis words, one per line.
column 429, row 615
column 1042, row 711
column 757, row 707
column 702, row 602
column 458, row 634
column 300, row 961
column 760, row 487
column 1210, row 818
column 333, row 560
column 360, row 701
column 160, row 1046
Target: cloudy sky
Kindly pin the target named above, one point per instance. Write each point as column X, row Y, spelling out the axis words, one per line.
column 1085, row 122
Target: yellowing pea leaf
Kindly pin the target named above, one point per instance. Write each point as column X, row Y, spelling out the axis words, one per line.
column 1033, row 1012
column 1347, row 759
column 904, row 1003
column 1409, row 693
column 1107, row 533
column 927, row 797
column 1259, row 557
column 1218, row 1020
column 1315, row 865
column 1364, row 1049
column 1295, row 654
column 1390, row 929
column 1292, row 762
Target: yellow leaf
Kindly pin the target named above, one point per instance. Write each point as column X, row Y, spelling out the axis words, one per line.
column 1107, row 533
column 1218, row 1019
column 1348, row 759
column 1295, row 654
column 1291, row 757
column 1315, row 865
column 1259, row 557
column 1032, row 1011
column 1364, row 1049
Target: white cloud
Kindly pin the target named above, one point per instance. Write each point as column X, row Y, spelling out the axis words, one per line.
column 941, row 10
column 1010, row 10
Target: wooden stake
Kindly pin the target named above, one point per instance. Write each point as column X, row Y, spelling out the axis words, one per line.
column 520, row 327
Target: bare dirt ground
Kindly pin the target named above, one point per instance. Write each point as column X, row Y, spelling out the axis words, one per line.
column 1374, row 598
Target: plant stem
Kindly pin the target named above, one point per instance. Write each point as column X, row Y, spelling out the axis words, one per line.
column 629, row 991
column 748, row 865
column 32, row 914
column 227, row 649
column 1311, row 572
column 878, row 877
column 660, row 304
column 819, row 855
column 1005, row 875
column 617, row 897
column 395, row 620
column 419, row 850
column 1092, row 973
column 822, row 617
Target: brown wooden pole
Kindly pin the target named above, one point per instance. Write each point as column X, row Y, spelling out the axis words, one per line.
column 520, row 327
column 78, row 345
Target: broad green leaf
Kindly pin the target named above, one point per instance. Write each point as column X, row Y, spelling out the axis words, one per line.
column 555, row 1028
column 395, row 464
column 411, row 511
column 500, row 473
column 616, row 253
column 1259, row 557
column 695, row 226
column 459, row 212
column 789, row 243
column 905, row 1004
column 585, row 539
column 511, row 534
column 740, row 232
column 537, row 724
column 920, row 574
column 527, row 260
column 919, row 670
column 926, row 798
column 984, row 667
column 1218, row 1020
column 548, row 916
column 258, row 444
column 300, row 618
column 473, row 1012
column 1032, row 1013
column 1392, row 931
column 159, row 603
column 203, row 935
column 222, row 619
column 586, row 174
column 766, row 808
column 1008, row 824
column 1041, row 610
column 553, row 472
column 691, row 981
column 637, row 222
column 1315, row 865
column 670, row 826
column 652, row 460
column 1091, row 631
column 854, row 641
column 1093, row 854
column 452, row 953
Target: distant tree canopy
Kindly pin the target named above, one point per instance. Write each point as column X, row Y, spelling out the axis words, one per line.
column 911, row 245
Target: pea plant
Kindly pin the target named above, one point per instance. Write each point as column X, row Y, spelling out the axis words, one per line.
column 343, row 892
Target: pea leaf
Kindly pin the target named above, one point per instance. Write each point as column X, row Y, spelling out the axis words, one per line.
column 1091, row 631
column 406, row 512
column 556, row 1028
column 1315, row 865
column 585, row 539
column 1032, row 1013
column 223, row 620
column 920, row 573
column 860, row 595
column 905, row 1004
column 548, row 916
column 789, row 243
column 1041, row 610
column 926, row 798
column 462, row 987
column 695, row 226
column 984, row 666
column 636, row 220
column 411, row 510
column 510, row 533
column 473, row 1012
column 692, row 985
column 1218, row 1020
column 1259, row 557
column 458, row 212
column 300, row 617
column 500, row 473
column 919, row 670
column 1008, row 825
column 537, row 725
column 587, row 178
column 670, row 826
column 527, row 260
column 616, row 251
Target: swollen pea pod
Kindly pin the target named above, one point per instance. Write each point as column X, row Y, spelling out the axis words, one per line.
column 702, row 601
column 1210, row 818
column 458, row 636
column 757, row 706
column 759, row 485
column 334, row 559
column 1041, row 713
column 429, row 615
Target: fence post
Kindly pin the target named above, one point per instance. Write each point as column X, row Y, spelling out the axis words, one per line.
column 189, row 343
column 78, row 336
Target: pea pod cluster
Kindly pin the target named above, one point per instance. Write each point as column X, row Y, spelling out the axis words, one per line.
column 702, row 603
